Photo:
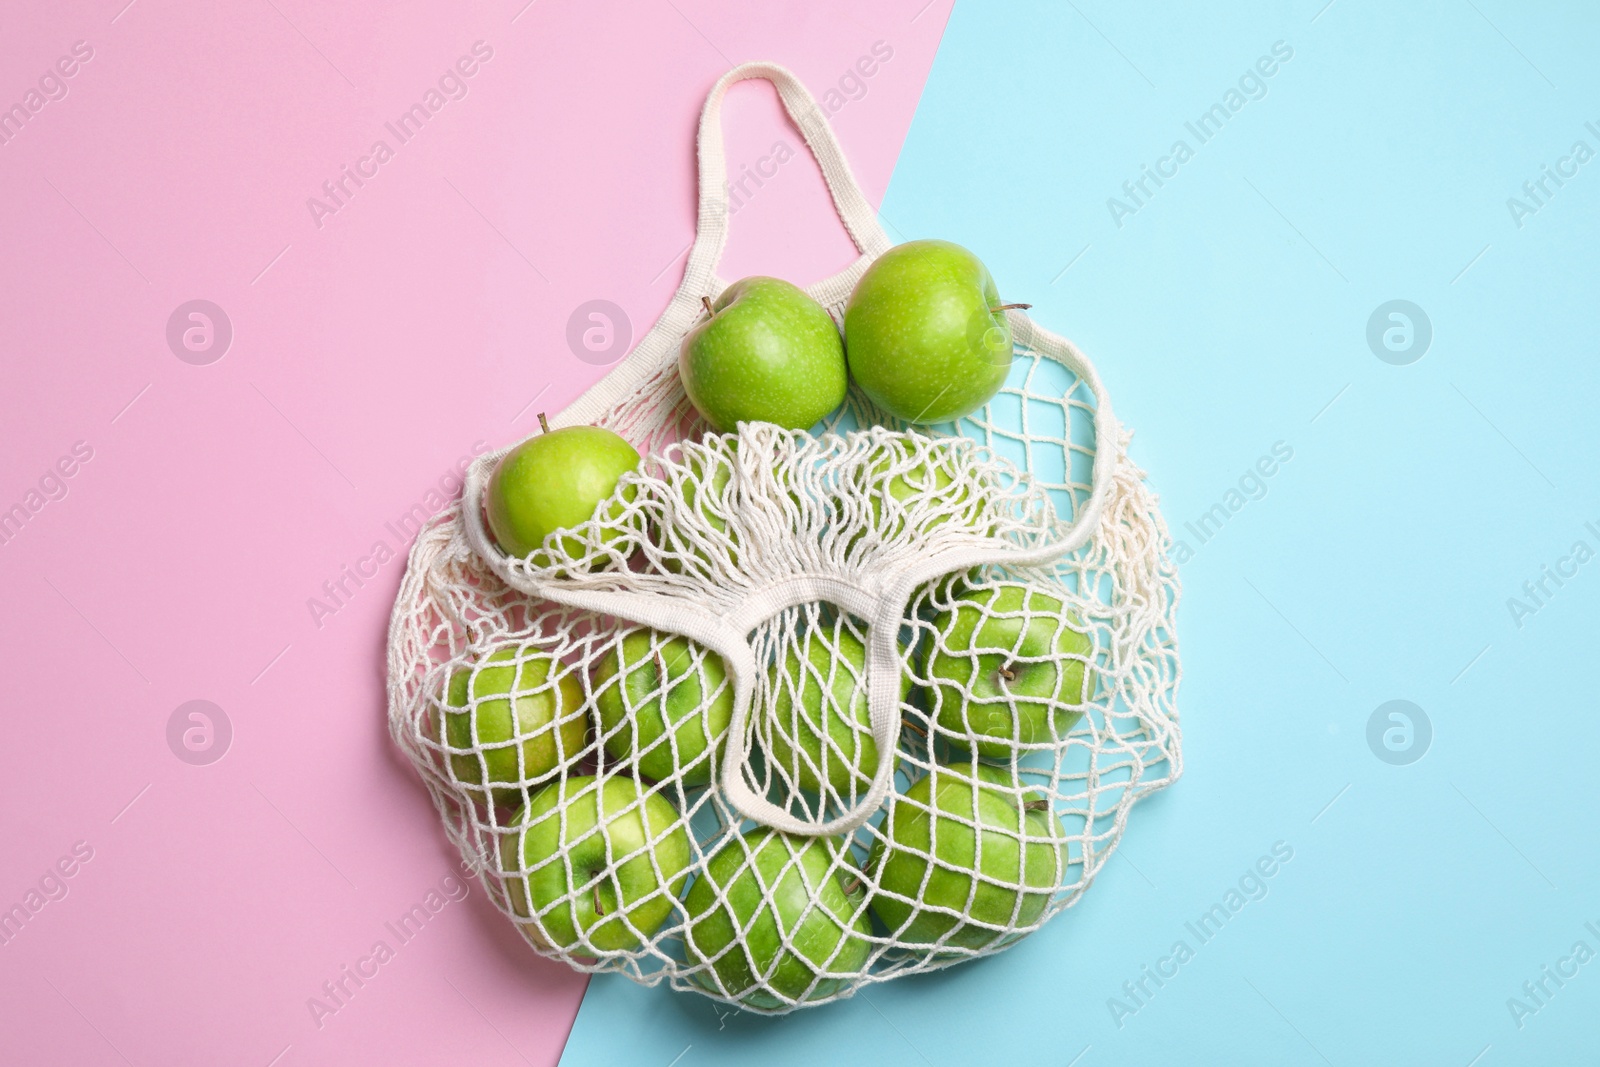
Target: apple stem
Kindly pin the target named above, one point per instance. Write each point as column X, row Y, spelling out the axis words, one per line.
column 705, row 302
column 908, row 724
column 598, row 908
column 1006, row 673
column 544, row 423
column 1036, row 805
column 854, row 884
column 1008, row 307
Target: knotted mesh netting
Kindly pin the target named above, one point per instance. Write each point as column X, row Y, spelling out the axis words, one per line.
column 805, row 711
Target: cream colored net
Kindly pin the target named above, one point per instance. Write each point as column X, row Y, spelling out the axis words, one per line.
column 804, row 712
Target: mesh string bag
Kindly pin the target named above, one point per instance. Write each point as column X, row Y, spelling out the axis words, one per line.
column 799, row 712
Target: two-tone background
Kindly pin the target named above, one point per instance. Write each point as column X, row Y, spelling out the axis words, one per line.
column 1336, row 262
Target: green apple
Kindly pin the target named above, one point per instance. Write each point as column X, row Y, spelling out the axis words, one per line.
column 917, row 480
column 894, row 478
column 926, row 334
column 664, row 705
column 518, row 720
column 963, row 849
column 765, row 352
column 702, row 493
column 594, row 865
column 554, row 481
column 1024, row 660
column 761, row 890
column 820, row 691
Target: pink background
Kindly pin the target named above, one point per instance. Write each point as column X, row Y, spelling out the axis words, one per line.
column 369, row 355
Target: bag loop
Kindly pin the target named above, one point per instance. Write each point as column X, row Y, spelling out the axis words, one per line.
column 659, row 345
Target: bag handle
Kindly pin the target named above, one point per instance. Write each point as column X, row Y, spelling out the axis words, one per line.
column 660, row 343
column 711, row 237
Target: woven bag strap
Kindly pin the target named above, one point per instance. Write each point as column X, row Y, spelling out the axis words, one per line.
column 860, row 221
column 660, row 343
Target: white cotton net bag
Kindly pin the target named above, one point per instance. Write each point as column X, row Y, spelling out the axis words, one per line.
column 800, row 712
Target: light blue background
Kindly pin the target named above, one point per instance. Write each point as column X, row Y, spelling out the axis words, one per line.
column 1225, row 315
